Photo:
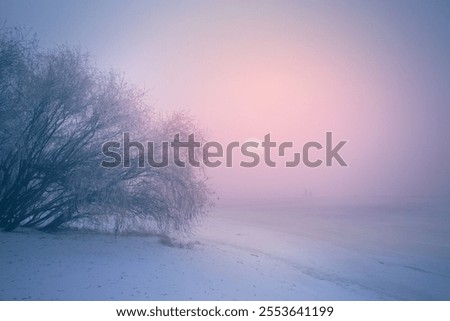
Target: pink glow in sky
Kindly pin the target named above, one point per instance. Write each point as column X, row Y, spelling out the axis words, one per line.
column 375, row 74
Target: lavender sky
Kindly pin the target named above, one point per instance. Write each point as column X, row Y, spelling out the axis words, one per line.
column 375, row 73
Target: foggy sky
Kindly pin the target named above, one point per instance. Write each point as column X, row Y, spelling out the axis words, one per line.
column 376, row 74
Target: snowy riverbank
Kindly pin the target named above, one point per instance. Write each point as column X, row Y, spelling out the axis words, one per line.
column 307, row 251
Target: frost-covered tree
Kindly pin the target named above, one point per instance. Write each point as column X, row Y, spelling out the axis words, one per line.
column 56, row 111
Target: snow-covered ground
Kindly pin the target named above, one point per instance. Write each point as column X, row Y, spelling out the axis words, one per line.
column 304, row 250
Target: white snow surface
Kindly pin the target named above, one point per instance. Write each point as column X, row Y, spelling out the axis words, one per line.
column 287, row 250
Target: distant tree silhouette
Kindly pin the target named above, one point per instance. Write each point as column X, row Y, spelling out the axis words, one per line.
column 56, row 111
